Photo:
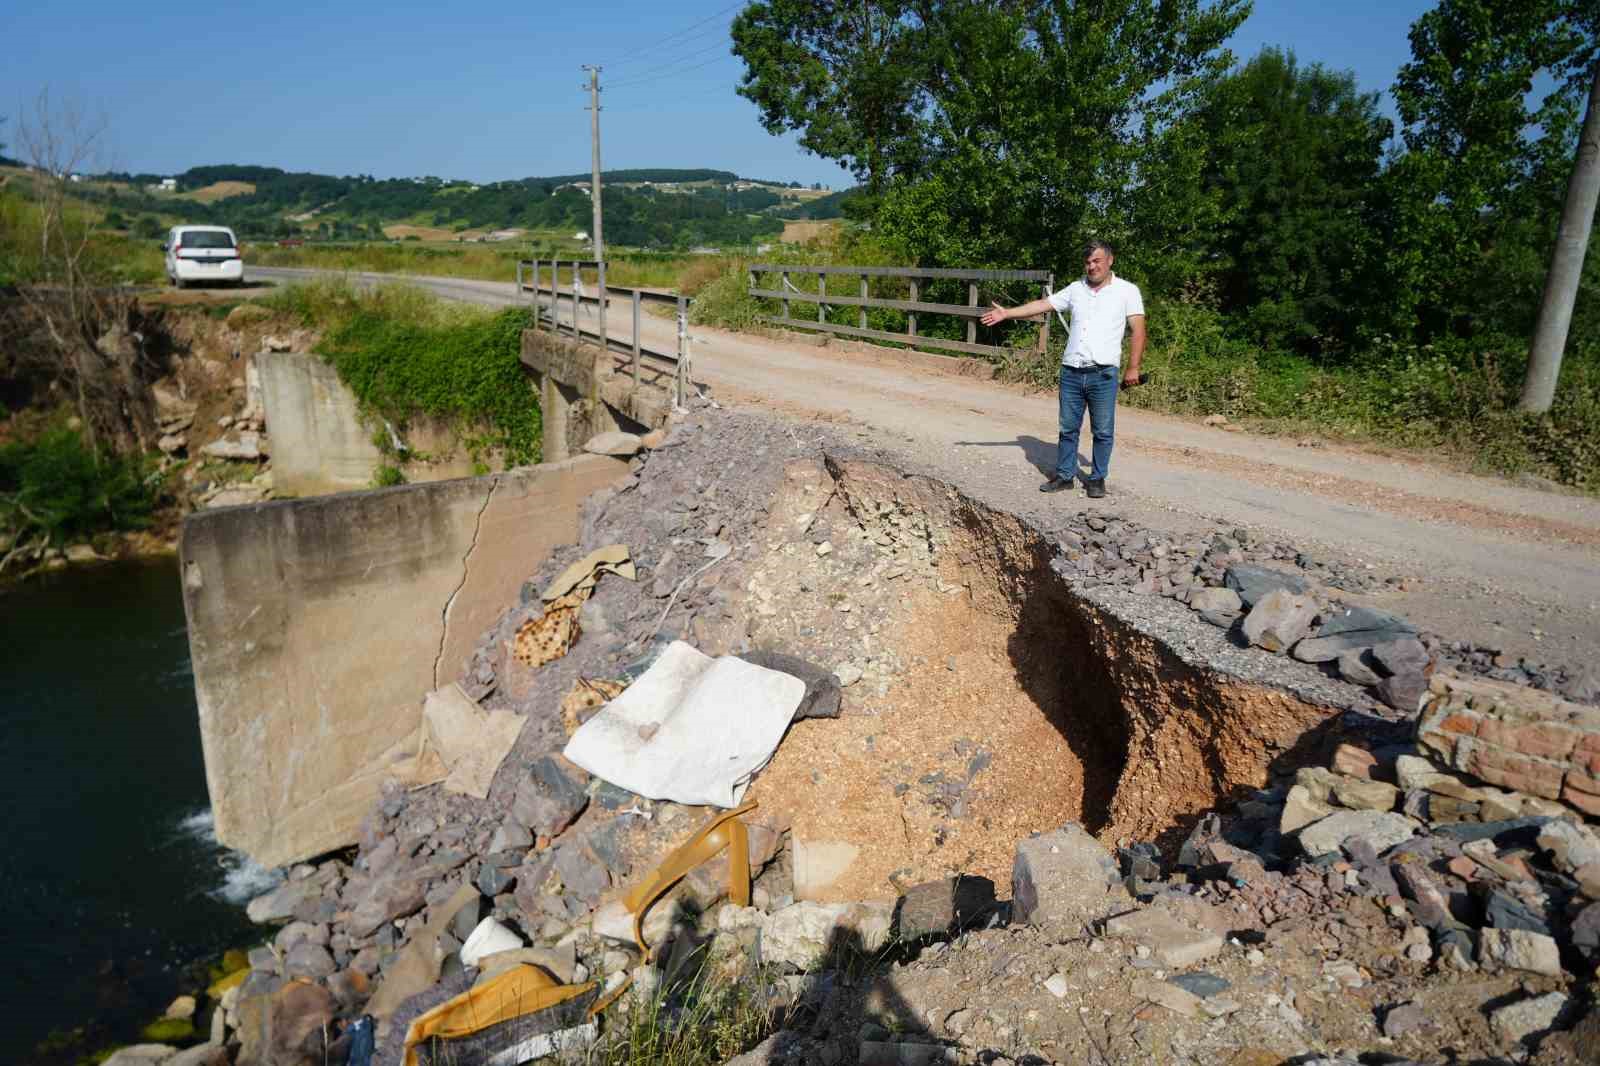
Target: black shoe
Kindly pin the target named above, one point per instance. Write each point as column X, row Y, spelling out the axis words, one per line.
column 1056, row 484
column 1095, row 489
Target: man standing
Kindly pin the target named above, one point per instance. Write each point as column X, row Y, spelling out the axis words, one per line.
column 1101, row 305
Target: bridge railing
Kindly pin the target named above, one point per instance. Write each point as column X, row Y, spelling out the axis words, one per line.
column 531, row 278
column 787, row 292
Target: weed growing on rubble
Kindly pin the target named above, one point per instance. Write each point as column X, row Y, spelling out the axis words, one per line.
column 405, row 353
column 702, row 1021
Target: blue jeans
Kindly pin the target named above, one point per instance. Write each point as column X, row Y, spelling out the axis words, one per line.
column 1096, row 389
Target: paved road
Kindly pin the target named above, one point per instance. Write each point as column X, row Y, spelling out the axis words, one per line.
column 1512, row 566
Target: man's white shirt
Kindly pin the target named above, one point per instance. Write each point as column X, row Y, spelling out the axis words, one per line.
column 1099, row 320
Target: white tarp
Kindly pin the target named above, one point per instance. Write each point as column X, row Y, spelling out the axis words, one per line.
column 692, row 729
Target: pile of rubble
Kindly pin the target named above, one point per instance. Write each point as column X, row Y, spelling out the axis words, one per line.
column 1435, row 886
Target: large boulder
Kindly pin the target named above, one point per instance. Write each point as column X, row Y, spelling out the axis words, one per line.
column 1064, row 877
column 939, row 907
column 1279, row 620
column 807, row 935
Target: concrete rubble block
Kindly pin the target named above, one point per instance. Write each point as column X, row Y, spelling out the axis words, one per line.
column 246, row 446
column 1572, row 846
column 550, row 796
column 890, row 1053
column 582, row 875
column 1380, row 830
column 1404, row 692
column 1065, row 876
column 1414, row 771
column 614, row 442
column 511, row 835
column 1253, row 583
column 819, row 864
column 142, row 1055
column 1301, row 808
column 1516, row 1022
column 935, row 908
column 1519, row 949
column 1363, row 795
column 306, row 959
column 806, row 934
column 1278, row 620
column 283, row 902
column 1172, row 942
column 384, row 901
column 1358, row 667
column 1221, row 600
column 1178, row 1000
column 1403, row 655
column 208, row 1054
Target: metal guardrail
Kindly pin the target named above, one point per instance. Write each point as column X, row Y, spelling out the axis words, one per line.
column 534, row 269
column 912, row 307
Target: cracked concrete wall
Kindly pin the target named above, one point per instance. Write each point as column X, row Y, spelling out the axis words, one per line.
column 316, row 627
column 320, row 443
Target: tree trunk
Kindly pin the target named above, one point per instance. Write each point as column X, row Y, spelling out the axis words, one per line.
column 1566, row 263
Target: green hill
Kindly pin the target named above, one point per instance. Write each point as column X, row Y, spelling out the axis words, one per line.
column 645, row 208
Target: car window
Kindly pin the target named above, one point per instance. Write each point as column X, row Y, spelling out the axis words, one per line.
column 206, row 238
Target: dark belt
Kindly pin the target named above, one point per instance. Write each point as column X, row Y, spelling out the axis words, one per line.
column 1086, row 369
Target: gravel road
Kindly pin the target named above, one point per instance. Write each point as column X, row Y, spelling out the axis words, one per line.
column 1505, row 565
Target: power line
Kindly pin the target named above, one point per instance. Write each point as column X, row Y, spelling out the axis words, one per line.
column 671, row 73
column 672, row 63
column 674, row 36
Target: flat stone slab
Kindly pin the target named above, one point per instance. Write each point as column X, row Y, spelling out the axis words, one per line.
column 1172, row 943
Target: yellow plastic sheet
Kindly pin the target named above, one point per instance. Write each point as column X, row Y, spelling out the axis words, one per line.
column 516, row 993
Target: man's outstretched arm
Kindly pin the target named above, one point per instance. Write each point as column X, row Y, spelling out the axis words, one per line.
column 1135, row 349
column 997, row 314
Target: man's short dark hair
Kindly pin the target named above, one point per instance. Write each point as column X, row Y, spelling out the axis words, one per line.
column 1098, row 245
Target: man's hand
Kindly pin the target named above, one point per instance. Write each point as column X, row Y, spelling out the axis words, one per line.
column 995, row 315
column 1130, row 377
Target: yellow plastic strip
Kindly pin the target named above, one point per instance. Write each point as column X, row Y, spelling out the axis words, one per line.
column 519, row 991
column 723, row 831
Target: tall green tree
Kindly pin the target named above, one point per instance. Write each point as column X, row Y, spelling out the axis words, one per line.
column 843, row 73
column 1472, row 203
column 1291, row 154
column 1002, row 131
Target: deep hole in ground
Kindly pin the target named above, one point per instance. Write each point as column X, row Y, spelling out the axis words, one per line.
column 1022, row 703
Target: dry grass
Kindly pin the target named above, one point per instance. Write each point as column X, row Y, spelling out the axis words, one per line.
column 400, row 231
column 219, row 190
column 806, row 231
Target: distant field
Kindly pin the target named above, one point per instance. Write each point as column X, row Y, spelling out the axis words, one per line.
column 400, row 231
column 801, row 231
column 219, row 190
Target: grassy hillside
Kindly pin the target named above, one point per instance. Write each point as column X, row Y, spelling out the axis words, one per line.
column 658, row 209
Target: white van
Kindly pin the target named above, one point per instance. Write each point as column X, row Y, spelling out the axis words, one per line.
column 203, row 253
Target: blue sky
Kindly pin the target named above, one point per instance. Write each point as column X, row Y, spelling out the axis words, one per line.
column 476, row 91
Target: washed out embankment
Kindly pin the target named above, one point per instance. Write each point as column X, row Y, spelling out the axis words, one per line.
column 1015, row 702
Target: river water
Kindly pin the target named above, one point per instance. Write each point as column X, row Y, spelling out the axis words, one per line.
column 112, row 886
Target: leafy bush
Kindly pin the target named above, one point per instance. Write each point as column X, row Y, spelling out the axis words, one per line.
column 55, row 487
column 404, row 353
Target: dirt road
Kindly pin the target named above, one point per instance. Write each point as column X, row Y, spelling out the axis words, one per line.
column 1504, row 565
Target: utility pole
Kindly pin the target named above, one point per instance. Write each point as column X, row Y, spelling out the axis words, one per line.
column 594, row 139
column 594, row 190
column 1566, row 263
